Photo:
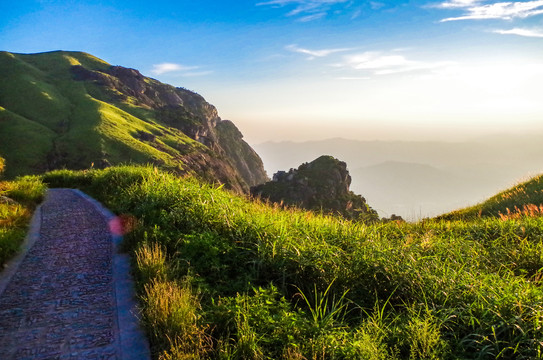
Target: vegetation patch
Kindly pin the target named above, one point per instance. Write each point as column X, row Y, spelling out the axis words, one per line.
column 72, row 110
column 17, row 202
column 223, row 277
column 524, row 199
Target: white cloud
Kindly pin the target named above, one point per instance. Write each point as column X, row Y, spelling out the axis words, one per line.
column 459, row 3
column 356, row 14
column 538, row 33
column 308, row 10
column 499, row 10
column 315, row 53
column 179, row 70
column 374, row 60
column 379, row 63
column 376, row 5
column 312, row 17
column 159, row 69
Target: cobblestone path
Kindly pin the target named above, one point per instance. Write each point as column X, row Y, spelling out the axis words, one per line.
column 70, row 296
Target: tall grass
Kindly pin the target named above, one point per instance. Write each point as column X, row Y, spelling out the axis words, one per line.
column 436, row 289
column 17, row 201
column 520, row 200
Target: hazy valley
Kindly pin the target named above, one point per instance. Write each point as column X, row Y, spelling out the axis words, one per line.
column 419, row 179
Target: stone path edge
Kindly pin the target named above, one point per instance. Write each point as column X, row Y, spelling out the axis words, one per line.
column 134, row 344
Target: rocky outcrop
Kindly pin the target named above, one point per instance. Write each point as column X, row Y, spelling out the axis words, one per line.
column 321, row 185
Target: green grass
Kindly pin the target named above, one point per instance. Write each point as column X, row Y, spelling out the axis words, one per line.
column 254, row 281
column 49, row 120
column 519, row 200
column 75, row 124
column 17, row 201
column 26, row 142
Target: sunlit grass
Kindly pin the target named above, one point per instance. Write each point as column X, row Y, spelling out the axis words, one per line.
column 17, row 201
column 276, row 283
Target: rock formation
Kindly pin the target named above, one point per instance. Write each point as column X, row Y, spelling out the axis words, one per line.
column 321, row 185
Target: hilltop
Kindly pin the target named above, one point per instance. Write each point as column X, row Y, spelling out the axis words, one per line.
column 72, row 110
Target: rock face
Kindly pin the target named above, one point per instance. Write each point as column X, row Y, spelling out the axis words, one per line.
column 189, row 112
column 321, row 185
column 76, row 111
column 177, row 107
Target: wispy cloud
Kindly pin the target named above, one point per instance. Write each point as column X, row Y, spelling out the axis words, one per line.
column 312, row 17
column 375, row 5
column 475, row 10
column 356, row 14
column 537, row 33
column 458, row 3
column 159, row 69
column 315, row 53
column 380, row 63
column 306, row 10
column 179, row 69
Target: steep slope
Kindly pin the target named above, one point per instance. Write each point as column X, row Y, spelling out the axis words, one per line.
column 321, row 185
column 523, row 199
column 71, row 109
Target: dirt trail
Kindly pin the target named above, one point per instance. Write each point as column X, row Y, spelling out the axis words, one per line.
column 69, row 296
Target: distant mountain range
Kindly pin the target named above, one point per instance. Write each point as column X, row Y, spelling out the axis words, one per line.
column 419, row 179
column 72, row 110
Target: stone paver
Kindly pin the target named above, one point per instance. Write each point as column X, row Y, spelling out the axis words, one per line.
column 70, row 296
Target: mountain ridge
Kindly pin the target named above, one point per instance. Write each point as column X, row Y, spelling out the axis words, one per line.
column 66, row 109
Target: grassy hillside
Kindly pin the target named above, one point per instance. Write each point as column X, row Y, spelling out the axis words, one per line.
column 222, row 277
column 524, row 199
column 72, row 110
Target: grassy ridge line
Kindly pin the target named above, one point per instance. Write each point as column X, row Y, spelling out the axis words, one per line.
column 513, row 200
column 437, row 289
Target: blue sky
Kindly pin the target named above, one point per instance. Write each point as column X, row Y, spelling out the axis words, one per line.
column 313, row 69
